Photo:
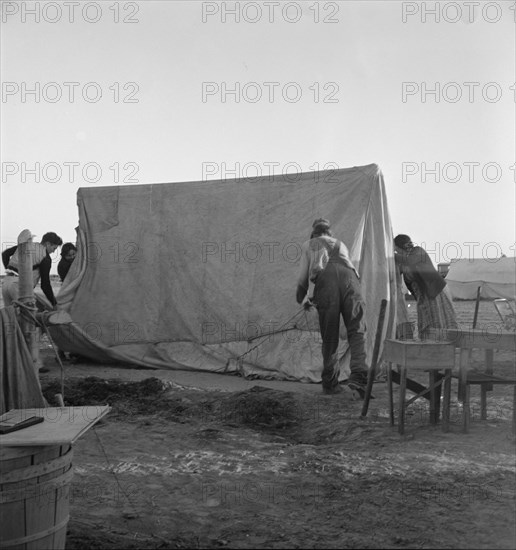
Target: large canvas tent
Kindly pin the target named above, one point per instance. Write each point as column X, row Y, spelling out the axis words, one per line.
column 202, row 275
column 496, row 278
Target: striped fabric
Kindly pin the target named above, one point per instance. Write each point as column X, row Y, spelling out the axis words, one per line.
column 436, row 313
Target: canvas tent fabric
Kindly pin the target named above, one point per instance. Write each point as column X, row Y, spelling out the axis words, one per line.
column 202, row 275
column 495, row 277
column 19, row 387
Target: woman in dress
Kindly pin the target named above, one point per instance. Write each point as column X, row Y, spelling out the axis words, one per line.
column 434, row 306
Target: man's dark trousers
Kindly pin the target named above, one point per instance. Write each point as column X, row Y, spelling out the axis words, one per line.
column 337, row 292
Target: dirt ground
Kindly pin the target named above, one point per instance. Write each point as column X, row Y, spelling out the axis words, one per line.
column 201, row 460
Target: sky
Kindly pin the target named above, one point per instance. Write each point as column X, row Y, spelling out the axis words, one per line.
column 106, row 93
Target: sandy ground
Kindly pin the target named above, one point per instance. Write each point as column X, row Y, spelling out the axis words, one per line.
column 203, row 460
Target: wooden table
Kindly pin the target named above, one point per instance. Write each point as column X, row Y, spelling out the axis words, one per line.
column 469, row 339
column 432, row 357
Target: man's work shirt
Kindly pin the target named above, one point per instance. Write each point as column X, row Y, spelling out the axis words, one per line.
column 315, row 254
column 42, row 262
column 6, row 255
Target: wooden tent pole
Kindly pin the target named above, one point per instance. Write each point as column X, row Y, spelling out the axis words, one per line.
column 26, row 295
column 376, row 351
column 475, row 316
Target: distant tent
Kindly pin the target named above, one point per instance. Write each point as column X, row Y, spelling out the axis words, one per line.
column 496, row 278
column 202, row 275
column 443, row 268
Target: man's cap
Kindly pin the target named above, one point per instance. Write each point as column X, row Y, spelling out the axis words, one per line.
column 321, row 222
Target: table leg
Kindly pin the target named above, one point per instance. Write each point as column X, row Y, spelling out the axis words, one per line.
column 391, row 398
column 446, row 400
column 431, row 382
column 464, row 386
column 484, row 388
column 401, row 411
column 467, row 412
column 435, row 396
column 489, row 366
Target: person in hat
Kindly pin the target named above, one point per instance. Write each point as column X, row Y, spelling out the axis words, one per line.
column 41, row 264
column 434, row 306
column 325, row 261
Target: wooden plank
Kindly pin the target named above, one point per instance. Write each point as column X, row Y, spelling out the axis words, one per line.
column 427, row 392
column 376, row 351
column 463, row 374
column 61, row 425
column 479, row 378
column 420, row 355
column 446, row 400
column 391, row 396
column 484, row 388
column 470, row 339
column 401, row 412
column 467, row 410
column 514, row 411
column 435, row 397
column 62, row 510
column 489, row 366
column 412, row 385
column 476, row 338
column 13, row 520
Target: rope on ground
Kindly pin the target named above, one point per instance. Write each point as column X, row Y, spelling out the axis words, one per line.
column 112, row 471
column 240, row 358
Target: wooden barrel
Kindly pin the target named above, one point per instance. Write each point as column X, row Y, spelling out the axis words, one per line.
column 35, row 496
